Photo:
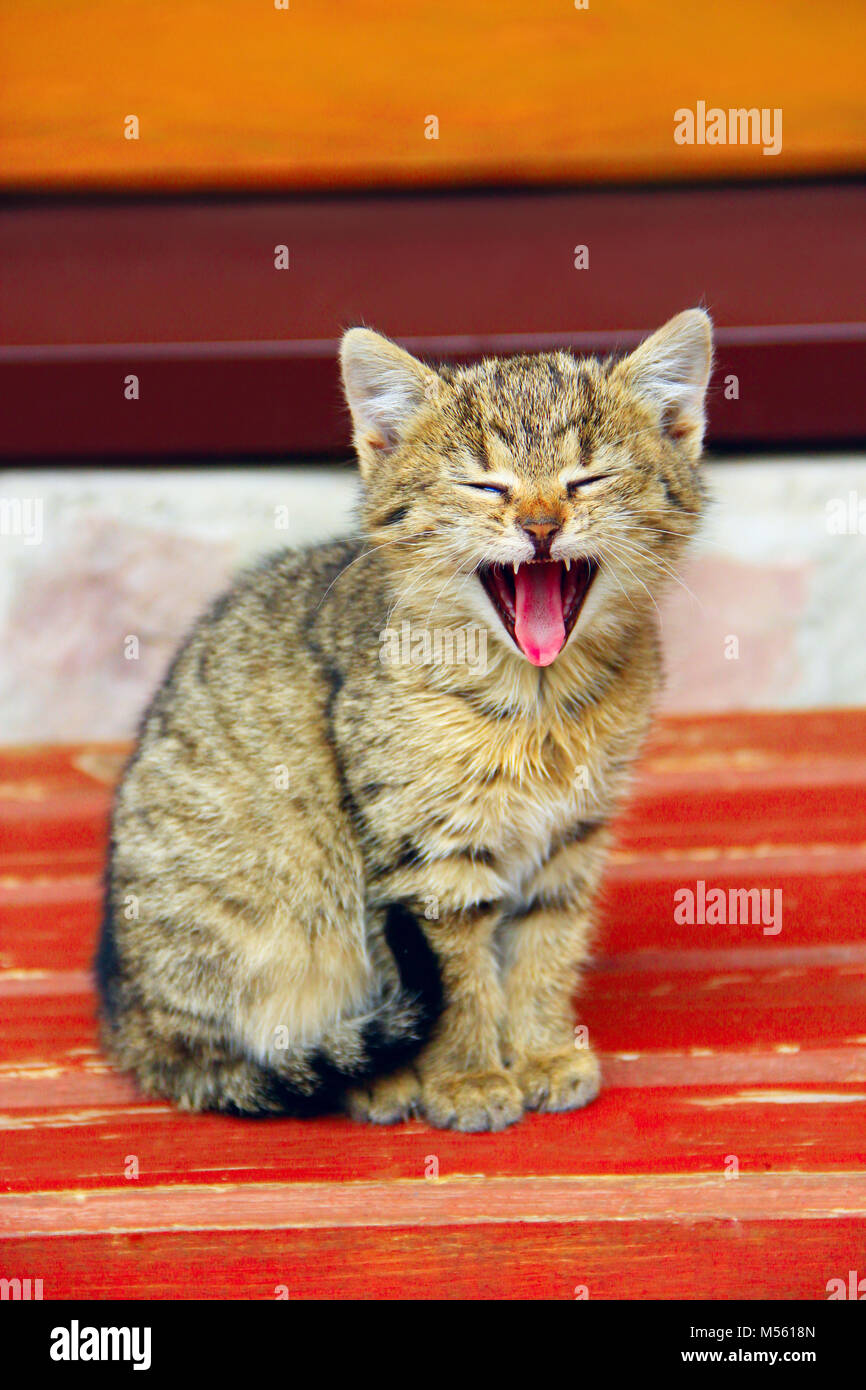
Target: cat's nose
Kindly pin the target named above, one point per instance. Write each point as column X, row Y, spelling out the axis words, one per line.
column 542, row 529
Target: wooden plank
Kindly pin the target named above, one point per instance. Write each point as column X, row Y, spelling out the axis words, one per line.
column 627, row 1131
column 755, row 798
column 87, row 1081
column 681, row 749
column 754, row 739
column 646, row 1259
column 230, row 95
column 740, row 742
column 74, row 826
column 765, row 1024
column 636, row 1011
column 251, row 371
column 823, row 897
column 55, row 920
column 422, row 1202
column 625, row 1006
column 285, row 402
column 769, row 775
column 48, row 768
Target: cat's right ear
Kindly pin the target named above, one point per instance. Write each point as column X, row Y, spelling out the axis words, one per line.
column 385, row 387
column 671, row 370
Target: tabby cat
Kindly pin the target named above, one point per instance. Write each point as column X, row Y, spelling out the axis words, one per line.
column 353, row 864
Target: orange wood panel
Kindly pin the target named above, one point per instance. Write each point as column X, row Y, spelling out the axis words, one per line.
column 234, row 94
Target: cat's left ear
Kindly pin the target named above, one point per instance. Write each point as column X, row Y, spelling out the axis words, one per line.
column 671, row 370
column 385, row 388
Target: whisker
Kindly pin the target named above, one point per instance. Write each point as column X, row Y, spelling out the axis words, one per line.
column 643, row 586
column 398, row 540
column 615, row 576
column 647, row 555
column 452, row 549
column 448, row 581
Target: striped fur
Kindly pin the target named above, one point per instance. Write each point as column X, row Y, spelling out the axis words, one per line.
column 336, row 879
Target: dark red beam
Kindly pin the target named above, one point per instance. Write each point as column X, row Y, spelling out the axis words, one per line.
column 235, row 357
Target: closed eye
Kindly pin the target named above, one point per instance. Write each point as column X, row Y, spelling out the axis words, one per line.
column 488, row 487
column 572, row 488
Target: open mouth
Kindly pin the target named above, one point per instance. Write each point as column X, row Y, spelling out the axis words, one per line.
column 539, row 602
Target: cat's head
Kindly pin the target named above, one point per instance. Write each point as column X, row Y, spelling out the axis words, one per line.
column 541, row 495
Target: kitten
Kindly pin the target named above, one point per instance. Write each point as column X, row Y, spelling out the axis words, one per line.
column 344, row 873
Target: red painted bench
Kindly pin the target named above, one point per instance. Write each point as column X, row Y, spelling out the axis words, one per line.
column 724, row 1157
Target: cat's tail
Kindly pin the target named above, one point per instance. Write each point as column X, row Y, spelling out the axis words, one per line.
column 199, row 1074
column 388, row 1038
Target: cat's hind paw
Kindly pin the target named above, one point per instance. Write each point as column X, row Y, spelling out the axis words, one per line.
column 385, row 1100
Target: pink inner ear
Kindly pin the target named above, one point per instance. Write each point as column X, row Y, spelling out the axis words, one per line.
column 674, row 424
column 380, row 439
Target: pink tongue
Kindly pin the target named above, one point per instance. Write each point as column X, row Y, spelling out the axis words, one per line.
column 539, row 623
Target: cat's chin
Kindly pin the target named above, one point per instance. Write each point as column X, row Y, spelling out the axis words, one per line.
column 538, row 602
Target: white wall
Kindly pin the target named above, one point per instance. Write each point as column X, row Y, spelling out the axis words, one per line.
column 139, row 552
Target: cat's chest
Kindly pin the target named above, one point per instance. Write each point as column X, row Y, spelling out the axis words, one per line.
column 502, row 789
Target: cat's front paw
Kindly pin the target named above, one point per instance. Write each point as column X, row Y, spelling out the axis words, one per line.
column 472, row 1101
column 385, row 1100
column 564, row 1079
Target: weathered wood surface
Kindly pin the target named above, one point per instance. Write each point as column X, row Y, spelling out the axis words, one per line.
column 725, row 1050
